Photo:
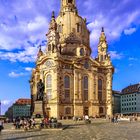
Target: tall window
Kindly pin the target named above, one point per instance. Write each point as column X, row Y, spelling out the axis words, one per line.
column 60, row 28
column 100, row 89
column 49, row 86
column 49, row 47
column 67, row 87
column 78, row 27
column 85, row 88
column 68, row 110
column 101, row 110
column 81, row 52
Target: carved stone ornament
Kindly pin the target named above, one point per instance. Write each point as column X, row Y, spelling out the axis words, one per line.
column 49, row 63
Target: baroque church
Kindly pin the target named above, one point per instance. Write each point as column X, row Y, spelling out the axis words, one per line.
column 75, row 83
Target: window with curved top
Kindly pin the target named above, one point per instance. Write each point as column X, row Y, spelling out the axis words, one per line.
column 100, row 89
column 78, row 27
column 60, row 28
column 67, row 88
column 85, row 97
column 81, row 52
column 49, row 86
column 67, row 81
column 68, row 110
column 101, row 110
column 49, row 48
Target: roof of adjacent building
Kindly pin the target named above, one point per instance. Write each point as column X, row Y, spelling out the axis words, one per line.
column 116, row 92
column 131, row 89
column 23, row 102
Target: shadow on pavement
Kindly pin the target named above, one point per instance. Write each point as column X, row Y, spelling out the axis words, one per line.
column 26, row 137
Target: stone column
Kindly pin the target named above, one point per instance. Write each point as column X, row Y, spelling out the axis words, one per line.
column 96, row 87
column 91, row 87
column 75, row 86
column 109, row 92
column 80, row 86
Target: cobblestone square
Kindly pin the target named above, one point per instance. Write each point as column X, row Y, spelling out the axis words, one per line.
column 97, row 130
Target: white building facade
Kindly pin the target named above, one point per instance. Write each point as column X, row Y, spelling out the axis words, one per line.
column 130, row 99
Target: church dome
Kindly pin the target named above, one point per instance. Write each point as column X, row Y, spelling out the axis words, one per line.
column 72, row 27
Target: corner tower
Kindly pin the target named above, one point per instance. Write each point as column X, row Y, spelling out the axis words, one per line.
column 102, row 47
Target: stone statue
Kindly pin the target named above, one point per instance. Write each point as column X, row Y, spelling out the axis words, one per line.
column 40, row 90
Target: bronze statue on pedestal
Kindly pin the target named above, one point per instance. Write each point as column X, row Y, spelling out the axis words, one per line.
column 40, row 90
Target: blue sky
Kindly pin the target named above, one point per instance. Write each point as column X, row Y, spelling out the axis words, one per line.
column 23, row 25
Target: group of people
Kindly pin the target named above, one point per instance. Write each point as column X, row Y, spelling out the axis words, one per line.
column 25, row 123
column 49, row 123
column 85, row 118
column 30, row 123
column 114, row 119
column 117, row 118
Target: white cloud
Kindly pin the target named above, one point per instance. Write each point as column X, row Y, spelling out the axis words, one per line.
column 28, row 69
column 14, row 74
column 129, row 31
column 28, row 54
column 29, row 22
column 37, row 24
column 5, row 102
column 115, row 55
column 133, row 59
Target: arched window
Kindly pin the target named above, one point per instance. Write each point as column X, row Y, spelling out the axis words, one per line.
column 67, row 82
column 49, row 81
column 81, row 52
column 49, row 47
column 49, row 86
column 102, row 57
column 101, row 110
column 67, row 88
column 67, row 110
column 85, row 88
column 78, row 27
column 100, row 89
column 60, row 28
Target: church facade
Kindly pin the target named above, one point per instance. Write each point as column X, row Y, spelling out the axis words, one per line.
column 75, row 83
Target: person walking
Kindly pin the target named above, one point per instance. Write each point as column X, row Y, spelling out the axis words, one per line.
column 1, row 126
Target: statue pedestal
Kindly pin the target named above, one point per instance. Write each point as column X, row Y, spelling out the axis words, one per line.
column 38, row 111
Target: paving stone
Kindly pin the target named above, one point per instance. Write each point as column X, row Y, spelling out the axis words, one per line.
column 98, row 130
